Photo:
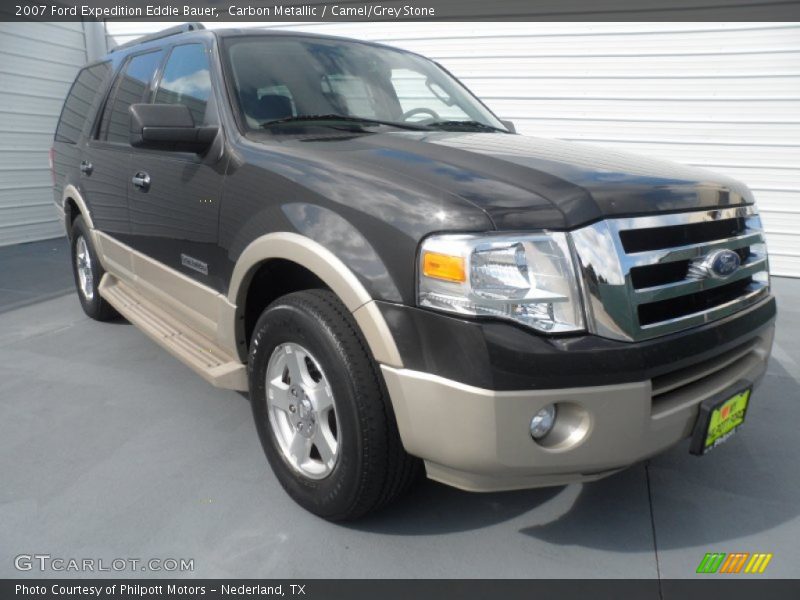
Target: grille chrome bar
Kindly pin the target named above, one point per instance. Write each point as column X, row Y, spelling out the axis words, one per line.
column 684, row 218
column 613, row 303
column 754, row 294
column 667, row 291
column 690, row 251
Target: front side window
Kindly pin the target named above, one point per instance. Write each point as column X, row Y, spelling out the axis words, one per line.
column 278, row 78
column 129, row 88
column 82, row 97
column 186, row 80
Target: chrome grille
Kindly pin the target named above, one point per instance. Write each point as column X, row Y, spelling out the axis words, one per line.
column 647, row 276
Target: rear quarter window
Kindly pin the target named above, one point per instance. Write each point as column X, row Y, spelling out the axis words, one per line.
column 81, row 102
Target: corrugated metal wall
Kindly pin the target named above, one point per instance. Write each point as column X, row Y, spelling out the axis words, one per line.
column 38, row 62
column 720, row 95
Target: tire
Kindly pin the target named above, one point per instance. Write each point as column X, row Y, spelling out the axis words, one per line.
column 83, row 254
column 369, row 467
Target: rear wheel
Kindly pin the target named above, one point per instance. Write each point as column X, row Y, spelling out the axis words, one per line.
column 322, row 411
column 88, row 272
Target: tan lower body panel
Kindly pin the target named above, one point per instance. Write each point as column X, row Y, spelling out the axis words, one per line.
column 202, row 309
column 193, row 349
column 194, row 323
column 479, row 440
column 476, row 482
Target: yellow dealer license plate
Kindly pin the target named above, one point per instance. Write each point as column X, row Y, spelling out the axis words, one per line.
column 718, row 420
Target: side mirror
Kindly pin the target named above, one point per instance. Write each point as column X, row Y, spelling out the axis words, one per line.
column 168, row 127
column 509, row 125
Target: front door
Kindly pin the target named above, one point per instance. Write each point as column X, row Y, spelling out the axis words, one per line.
column 173, row 197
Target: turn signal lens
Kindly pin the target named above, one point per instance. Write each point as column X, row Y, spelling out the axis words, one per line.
column 443, row 266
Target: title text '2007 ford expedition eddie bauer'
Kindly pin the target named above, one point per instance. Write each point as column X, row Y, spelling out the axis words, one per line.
column 400, row 281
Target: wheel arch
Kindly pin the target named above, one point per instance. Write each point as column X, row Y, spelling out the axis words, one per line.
column 328, row 269
column 72, row 201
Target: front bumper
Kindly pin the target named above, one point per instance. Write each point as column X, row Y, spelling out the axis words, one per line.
column 477, row 439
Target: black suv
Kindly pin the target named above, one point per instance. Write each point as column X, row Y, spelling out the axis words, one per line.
column 397, row 278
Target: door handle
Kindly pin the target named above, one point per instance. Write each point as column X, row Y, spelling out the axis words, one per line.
column 86, row 168
column 141, row 180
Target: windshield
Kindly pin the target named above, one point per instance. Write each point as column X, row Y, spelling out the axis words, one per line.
column 286, row 79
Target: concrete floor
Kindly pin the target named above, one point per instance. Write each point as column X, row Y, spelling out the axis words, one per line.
column 111, row 448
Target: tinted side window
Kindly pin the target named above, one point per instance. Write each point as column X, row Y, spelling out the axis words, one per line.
column 186, row 80
column 128, row 89
column 82, row 97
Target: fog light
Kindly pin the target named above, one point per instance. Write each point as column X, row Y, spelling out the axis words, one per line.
column 543, row 421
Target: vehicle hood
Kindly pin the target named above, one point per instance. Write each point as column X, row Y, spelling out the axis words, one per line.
column 525, row 182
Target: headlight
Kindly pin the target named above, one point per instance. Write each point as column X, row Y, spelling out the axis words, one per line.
column 525, row 278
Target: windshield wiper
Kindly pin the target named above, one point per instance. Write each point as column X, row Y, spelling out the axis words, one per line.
column 334, row 117
column 469, row 125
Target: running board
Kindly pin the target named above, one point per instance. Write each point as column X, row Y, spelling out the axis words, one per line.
column 194, row 350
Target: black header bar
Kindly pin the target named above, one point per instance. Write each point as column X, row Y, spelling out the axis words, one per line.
column 401, row 10
column 738, row 588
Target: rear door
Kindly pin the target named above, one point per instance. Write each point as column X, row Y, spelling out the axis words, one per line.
column 74, row 125
column 174, row 219
column 106, row 159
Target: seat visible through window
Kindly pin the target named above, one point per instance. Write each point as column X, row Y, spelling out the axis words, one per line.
column 270, row 107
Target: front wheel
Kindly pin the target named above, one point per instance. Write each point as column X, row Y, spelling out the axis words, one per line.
column 322, row 411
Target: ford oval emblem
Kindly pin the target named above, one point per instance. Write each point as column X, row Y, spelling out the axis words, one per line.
column 723, row 263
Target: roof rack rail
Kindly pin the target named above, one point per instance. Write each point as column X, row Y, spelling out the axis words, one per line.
column 182, row 28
